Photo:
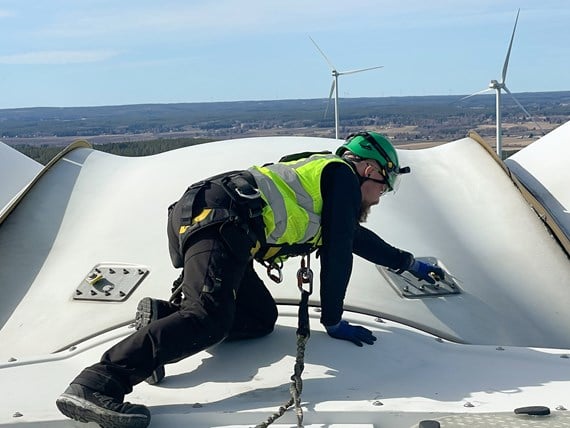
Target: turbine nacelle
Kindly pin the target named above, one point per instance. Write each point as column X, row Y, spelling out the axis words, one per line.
column 496, row 85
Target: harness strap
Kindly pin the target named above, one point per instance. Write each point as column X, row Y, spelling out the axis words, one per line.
column 244, row 208
column 187, row 201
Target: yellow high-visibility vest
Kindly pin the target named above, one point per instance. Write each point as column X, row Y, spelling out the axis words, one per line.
column 292, row 192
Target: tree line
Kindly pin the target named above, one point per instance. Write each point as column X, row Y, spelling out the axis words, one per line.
column 44, row 153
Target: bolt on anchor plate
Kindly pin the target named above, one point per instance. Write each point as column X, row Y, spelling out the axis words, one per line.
column 110, row 282
column 410, row 287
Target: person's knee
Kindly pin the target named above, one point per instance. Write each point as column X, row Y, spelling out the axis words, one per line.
column 193, row 332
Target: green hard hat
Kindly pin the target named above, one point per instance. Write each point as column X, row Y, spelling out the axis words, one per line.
column 371, row 145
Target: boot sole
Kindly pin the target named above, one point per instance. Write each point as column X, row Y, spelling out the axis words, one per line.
column 146, row 313
column 84, row 411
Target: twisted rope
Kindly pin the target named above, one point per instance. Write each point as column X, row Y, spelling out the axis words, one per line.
column 296, row 386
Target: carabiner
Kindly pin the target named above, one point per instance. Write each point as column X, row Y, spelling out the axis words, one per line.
column 278, row 278
column 305, row 275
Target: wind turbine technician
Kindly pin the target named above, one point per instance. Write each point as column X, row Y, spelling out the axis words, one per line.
column 304, row 203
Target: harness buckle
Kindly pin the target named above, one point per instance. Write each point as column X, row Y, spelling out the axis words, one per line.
column 243, row 193
column 256, row 194
column 238, row 184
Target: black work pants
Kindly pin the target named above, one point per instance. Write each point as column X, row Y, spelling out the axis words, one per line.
column 223, row 297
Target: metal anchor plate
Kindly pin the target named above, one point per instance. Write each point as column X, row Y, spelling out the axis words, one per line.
column 408, row 286
column 110, row 282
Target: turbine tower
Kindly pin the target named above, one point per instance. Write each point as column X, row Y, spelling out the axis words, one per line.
column 334, row 85
column 497, row 87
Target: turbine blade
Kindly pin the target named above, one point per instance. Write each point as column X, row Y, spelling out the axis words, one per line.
column 506, row 64
column 323, row 54
column 530, row 116
column 329, row 100
column 332, row 89
column 476, row 93
column 340, row 73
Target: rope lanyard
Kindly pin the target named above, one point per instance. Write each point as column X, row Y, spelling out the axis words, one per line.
column 304, row 277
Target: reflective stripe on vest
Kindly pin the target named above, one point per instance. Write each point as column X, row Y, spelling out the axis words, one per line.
column 292, row 191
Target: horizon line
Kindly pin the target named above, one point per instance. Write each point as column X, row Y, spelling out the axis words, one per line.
column 264, row 100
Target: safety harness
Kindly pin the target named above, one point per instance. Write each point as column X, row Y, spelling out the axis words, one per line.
column 246, row 205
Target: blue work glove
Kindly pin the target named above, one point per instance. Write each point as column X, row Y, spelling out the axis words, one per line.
column 426, row 271
column 355, row 333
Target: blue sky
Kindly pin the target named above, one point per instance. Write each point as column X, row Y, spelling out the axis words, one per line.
column 100, row 52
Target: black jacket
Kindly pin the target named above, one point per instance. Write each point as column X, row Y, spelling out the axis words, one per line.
column 344, row 236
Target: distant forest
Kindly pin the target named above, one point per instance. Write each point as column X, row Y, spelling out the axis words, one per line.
column 44, row 153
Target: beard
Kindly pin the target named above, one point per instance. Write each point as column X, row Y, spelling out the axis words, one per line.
column 364, row 211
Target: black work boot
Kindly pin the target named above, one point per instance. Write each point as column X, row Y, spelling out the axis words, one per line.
column 86, row 405
column 148, row 310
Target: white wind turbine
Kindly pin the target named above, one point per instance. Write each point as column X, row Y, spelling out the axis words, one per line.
column 498, row 86
column 334, row 86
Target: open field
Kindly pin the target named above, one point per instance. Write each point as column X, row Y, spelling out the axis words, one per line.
column 393, row 132
column 400, row 135
column 409, row 122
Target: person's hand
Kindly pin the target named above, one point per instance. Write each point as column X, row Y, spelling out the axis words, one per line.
column 355, row 333
column 426, row 271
